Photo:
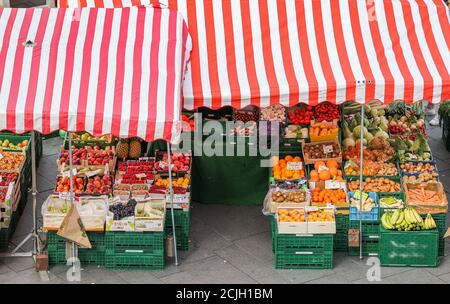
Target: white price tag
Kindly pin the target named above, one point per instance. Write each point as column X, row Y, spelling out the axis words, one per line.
column 67, row 173
column 294, row 165
column 333, row 184
column 141, row 175
column 322, row 168
column 64, row 195
column 1, row 156
column 327, row 149
column 178, row 198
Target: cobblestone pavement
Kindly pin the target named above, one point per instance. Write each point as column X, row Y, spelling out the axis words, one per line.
column 229, row 244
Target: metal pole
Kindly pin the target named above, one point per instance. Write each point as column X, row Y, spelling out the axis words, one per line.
column 34, row 191
column 361, row 182
column 71, row 195
column 171, row 205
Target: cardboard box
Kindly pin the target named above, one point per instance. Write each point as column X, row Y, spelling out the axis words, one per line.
column 154, row 218
column 54, row 210
column 291, row 227
column 321, row 227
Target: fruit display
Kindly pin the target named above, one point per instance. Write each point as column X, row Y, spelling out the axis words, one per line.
column 321, row 150
column 404, row 124
column 407, row 220
column 295, row 132
column 296, row 196
column 11, row 161
column 368, row 202
column 78, row 156
column 419, row 172
column 421, row 178
column 99, row 185
column 337, row 197
column 135, row 149
column 291, row 215
column 323, row 171
column 7, row 178
column 302, row 116
column 183, row 182
column 63, row 184
column 244, row 130
column 376, row 185
column 3, row 193
column 139, row 190
column 179, row 162
column 288, row 168
column 323, row 132
column 134, row 178
column 97, row 156
column 85, row 136
column 88, row 156
column 371, row 168
column 321, row 216
column 275, row 112
column 21, row 146
column 123, row 148
column 326, row 112
column 246, row 116
column 391, row 203
column 123, row 210
column 290, row 185
column 379, row 150
column 136, row 166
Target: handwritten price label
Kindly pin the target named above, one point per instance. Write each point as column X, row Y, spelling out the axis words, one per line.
column 67, row 173
column 332, row 184
column 64, row 195
column 328, row 149
column 294, row 165
column 322, row 168
column 178, row 198
column 141, row 175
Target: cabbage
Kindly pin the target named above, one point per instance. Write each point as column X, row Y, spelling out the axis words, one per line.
column 348, row 142
column 382, row 133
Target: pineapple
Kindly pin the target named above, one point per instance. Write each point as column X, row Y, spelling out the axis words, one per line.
column 135, row 149
column 123, row 149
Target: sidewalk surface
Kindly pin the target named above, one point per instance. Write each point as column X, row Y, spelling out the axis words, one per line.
column 229, row 244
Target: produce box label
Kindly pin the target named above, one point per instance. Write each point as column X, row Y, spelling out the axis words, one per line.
column 294, row 165
column 357, row 195
column 64, row 195
column 334, row 184
column 327, row 149
column 178, row 198
column 353, row 238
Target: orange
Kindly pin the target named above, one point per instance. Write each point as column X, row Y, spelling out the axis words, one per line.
column 331, row 163
column 288, row 158
column 314, row 176
column 333, row 172
column 324, row 175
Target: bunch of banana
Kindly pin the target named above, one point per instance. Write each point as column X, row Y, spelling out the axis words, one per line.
column 406, row 220
column 429, row 222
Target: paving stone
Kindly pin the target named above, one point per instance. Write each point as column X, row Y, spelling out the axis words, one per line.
column 414, row 276
column 443, row 268
column 258, row 270
column 332, row 279
column 434, row 132
column 259, row 245
column 443, row 165
column 304, row 275
column 438, row 149
column 51, row 146
column 19, row 264
column 215, row 270
column 4, row 268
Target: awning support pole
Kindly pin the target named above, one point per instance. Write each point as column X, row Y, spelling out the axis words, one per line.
column 361, row 166
column 74, row 246
column 171, row 204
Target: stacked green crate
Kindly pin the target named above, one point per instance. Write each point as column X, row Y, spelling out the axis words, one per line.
column 341, row 237
column 370, row 238
column 7, row 233
column 182, row 227
column 303, row 251
column 134, row 250
column 409, row 248
column 95, row 256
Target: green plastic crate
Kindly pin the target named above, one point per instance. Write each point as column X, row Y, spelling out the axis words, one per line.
column 96, row 238
column 341, row 237
column 441, row 223
column 182, row 227
column 369, row 248
column 7, row 233
column 370, row 230
column 411, row 248
column 302, row 261
column 139, row 242
column 126, row 261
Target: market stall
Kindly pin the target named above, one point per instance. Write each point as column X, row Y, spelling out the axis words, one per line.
column 112, row 83
column 339, row 169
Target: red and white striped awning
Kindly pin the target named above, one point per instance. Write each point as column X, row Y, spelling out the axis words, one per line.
column 288, row 51
column 117, row 71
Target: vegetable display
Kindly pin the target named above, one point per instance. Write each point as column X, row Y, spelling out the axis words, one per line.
column 376, row 185
column 302, row 116
column 326, row 112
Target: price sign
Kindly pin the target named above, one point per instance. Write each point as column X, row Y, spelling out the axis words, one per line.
column 327, row 149
column 1, row 156
column 178, row 198
column 333, row 184
column 67, row 173
column 322, row 168
column 357, row 195
column 141, row 175
column 64, row 195
column 294, row 165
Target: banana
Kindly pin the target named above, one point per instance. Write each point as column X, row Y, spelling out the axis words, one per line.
column 408, row 217
column 395, row 216
column 427, row 224
column 418, row 217
column 401, row 218
column 385, row 221
column 433, row 222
